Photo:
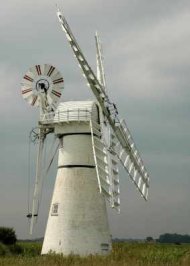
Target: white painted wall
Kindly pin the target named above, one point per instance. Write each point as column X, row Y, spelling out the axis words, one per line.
column 81, row 226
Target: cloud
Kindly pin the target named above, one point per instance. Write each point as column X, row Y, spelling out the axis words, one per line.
column 151, row 60
column 146, row 47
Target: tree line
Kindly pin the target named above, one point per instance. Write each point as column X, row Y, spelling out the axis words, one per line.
column 8, row 237
column 173, row 238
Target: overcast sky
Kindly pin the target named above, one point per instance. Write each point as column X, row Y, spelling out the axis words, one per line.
column 147, row 61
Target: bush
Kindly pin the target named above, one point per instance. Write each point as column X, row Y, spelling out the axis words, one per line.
column 7, row 236
column 16, row 249
column 4, row 250
column 31, row 249
column 149, row 239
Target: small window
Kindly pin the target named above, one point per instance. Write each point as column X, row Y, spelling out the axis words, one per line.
column 105, row 246
column 54, row 211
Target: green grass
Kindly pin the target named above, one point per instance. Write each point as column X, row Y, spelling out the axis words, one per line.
column 123, row 254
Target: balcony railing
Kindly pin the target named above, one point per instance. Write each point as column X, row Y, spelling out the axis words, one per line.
column 66, row 116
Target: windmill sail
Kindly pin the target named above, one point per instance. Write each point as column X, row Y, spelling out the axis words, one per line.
column 125, row 150
column 112, row 168
column 99, row 59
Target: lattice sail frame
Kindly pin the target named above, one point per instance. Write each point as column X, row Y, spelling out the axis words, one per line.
column 42, row 85
column 125, row 148
column 106, row 167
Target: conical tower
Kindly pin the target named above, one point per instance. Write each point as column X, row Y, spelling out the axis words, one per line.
column 77, row 221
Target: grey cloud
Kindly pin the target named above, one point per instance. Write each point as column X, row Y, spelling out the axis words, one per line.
column 146, row 46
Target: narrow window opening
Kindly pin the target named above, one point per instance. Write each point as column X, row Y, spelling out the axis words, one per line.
column 55, row 208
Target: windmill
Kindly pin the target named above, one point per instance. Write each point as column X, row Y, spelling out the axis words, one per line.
column 92, row 140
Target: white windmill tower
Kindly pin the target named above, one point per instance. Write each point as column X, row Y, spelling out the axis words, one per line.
column 92, row 139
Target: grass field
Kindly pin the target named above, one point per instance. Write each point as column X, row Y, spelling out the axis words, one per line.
column 128, row 254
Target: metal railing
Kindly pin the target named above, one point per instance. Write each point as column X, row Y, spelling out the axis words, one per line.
column 66, row 116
